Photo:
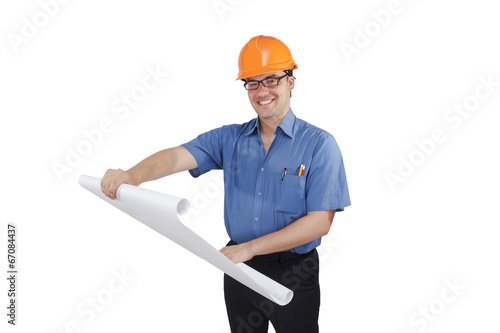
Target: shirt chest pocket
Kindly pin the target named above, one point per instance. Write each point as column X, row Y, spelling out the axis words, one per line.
column 292, row 194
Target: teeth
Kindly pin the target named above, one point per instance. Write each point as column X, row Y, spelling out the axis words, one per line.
column 265, row 102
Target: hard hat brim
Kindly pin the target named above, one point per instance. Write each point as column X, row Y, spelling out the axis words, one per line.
column 267, row 69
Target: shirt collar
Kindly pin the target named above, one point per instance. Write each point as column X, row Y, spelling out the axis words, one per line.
column 286, row 125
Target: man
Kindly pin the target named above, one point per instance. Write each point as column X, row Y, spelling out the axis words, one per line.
column 284, row 180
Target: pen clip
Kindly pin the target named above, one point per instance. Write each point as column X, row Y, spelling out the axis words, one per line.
column 283, row 174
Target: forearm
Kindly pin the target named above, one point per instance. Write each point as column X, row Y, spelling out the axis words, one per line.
column 161, row 164
column 302, row 231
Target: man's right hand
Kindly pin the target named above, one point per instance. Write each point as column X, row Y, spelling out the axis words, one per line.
column 113, row 179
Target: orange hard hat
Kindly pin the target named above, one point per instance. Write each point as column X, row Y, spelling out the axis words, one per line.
column 264, row 54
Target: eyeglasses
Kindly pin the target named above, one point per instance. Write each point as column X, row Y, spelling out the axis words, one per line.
column 270, row 82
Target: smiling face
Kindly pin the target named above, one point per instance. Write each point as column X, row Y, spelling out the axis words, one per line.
column 271, row 103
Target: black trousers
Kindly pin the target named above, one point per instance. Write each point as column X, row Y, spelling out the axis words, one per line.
column 249, row 312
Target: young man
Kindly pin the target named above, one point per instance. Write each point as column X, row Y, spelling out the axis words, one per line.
column 284, row 180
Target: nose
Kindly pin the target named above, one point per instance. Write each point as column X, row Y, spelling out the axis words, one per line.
column 262, row 89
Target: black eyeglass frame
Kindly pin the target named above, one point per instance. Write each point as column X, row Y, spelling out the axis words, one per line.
column 262, row 81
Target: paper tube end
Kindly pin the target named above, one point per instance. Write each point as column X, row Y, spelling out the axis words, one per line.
column 183, row 206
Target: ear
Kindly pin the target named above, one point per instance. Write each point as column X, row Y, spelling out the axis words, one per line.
column 291, row 82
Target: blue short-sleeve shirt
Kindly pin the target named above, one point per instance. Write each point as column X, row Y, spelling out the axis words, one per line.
column 258, row 198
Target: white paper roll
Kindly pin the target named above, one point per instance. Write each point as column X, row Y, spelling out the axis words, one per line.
column 161, row 212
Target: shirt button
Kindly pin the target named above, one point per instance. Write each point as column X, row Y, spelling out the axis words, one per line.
column 256, row 219
column 259, row 194
column 262, row 169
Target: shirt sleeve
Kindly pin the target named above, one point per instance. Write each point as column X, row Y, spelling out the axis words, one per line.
column 326, row 184
column 207, row 151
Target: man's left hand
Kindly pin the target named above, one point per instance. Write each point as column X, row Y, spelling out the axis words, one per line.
column 238, row 253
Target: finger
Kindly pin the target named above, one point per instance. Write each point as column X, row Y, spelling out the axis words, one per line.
column 112, row 191
column 115, row 185
column 227, row 252
column 103, row 189
column 105, row 181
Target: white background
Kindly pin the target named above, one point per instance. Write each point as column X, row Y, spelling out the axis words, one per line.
column 387, row 256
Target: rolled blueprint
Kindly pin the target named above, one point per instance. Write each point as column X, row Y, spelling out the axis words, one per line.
column 161, row 212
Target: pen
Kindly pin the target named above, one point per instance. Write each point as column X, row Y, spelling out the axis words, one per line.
column 301, row 171
column 283, row 174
